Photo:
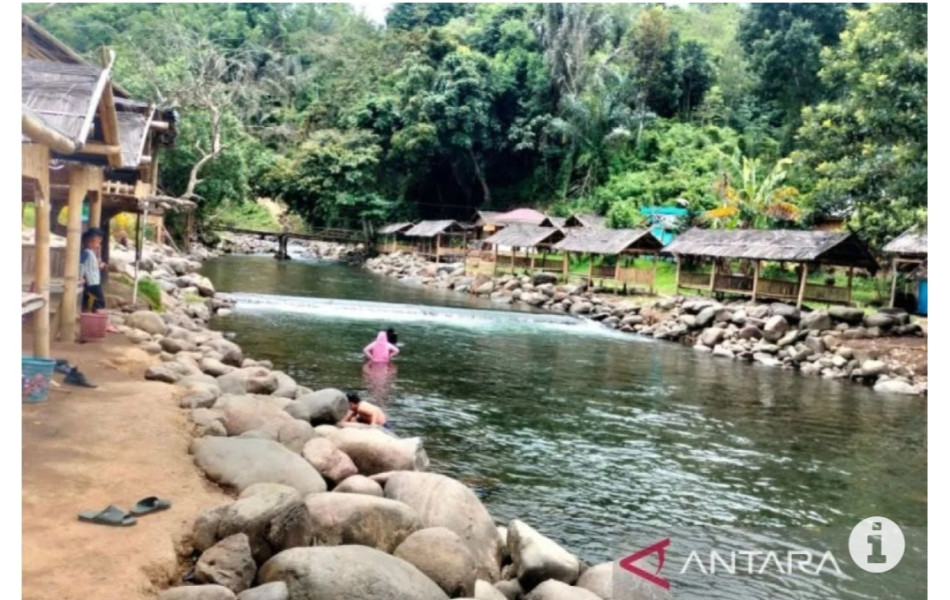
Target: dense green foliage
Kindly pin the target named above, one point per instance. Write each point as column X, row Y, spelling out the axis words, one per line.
column 750, row 116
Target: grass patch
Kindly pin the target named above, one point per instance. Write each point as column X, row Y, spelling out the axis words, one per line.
column 245, row 215
column 152, row 293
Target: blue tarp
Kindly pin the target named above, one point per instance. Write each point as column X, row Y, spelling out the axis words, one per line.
column 922, row 297
column 662, row 219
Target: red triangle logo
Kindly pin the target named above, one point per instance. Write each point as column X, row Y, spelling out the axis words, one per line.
column 659, row 549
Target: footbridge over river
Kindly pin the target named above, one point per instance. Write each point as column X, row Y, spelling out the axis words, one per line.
column 339, row 236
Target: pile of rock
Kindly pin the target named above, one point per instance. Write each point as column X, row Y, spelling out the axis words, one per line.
column 774, row 334
column 232, row 243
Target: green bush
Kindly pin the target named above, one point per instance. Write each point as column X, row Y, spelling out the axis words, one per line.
column 152, row 293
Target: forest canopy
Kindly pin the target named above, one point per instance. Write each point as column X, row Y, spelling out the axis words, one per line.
column 762, row 115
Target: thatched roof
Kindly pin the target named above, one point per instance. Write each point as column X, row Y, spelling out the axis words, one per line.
column 608, row 241
column 557, row 221
column 395, row 228
column 133, row 133
column 525, row 236
column 486, row 217
column 829, row 247
column 428, row 229
column 524, row 216
column 911, row 241
column 587, row 220
column 64, row 96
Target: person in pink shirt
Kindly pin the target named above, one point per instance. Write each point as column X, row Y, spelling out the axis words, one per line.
column 380, row 350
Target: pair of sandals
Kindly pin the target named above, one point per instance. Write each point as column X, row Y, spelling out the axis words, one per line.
column 116, row 517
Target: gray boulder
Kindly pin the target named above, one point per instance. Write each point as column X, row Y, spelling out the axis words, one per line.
column 880, row 319
column 241, row 463
column 231, row 353
column 294, row 435
column 712, row 336
column 214, row 367
column 789, row 312
column 359, row 519
column 486, row 591
column 164, row 372
column 543, row 278
column 872, row 368
column 359, row 484
column 147, row 321
column 199, row 395
column 750, row 332
column 895, row 386
column 537, row 558
column 846, row 314
column 333, row 464
column 775, row 328
column 269, row 591
column 442, row 556
column 598, row 580
column 351, row 572
column 327, row 406
column 375, row 451
column 274, row 518
column 818, row 320
column 247, row 412
column 228, row 563
column 707, row 315
column 445, row 502
column 197, row 592
column 250, row 380
column 286, row 386
column 509, row 588
column 556, row 590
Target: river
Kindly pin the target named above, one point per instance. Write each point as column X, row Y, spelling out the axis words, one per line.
column 604, row 441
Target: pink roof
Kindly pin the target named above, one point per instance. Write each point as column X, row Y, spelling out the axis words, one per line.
column 523, row 215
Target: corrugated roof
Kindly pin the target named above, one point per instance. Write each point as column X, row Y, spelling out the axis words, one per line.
column 524, row 236
column 911, row 241
column 395, row 228
column 63, row 96
column 433, row 228
column 608, row 241
column 831, row 247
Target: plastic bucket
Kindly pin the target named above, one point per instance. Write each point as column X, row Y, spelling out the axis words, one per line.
column 36, row 376
column 92, row 326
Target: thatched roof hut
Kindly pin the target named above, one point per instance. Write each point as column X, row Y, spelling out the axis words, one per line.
column 394, row 228
column 486, row 217
column 430, row 229
column 63, row 97
column 912, row 242
column 525, row 236
column 524, row 216
column 828, row 247
column 586, row 220
column 557, row 221
column 609, row 241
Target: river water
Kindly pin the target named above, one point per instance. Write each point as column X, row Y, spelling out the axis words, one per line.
column 608, row 442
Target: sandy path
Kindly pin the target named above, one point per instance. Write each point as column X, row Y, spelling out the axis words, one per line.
column 88, row 448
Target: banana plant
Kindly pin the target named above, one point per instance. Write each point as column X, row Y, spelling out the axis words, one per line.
column 748, row 200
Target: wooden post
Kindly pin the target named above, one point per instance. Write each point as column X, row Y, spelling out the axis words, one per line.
column 679, row 265
column 617, row 269
column 158, row 230
column 656, row 263
column 801, row 285
column 526, row 256
column 894, row 264
column 512, row 263
column 95, row 209
column 565, row 264
column 36, row 165
column 77, row 192
column 438, row 246
column 590, row 271
column 712, row 278
column 851, row 281
column 755, row 280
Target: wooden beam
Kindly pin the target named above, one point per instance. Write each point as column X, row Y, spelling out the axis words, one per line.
column 755, row 280
column 99, row 148
column 159, row 125
column 801, row 285
column 35, row 129
column 894, row 262
column 78, row 188
column 851, row 282
column 101, row 85
column 566, row 262
column 679, row 265
column 40, row 155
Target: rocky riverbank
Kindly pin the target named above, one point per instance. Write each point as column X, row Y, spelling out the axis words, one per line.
column 232, row 243
column 321, row 511
column 838, row 343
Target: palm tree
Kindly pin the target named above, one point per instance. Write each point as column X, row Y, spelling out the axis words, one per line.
column 750, row 201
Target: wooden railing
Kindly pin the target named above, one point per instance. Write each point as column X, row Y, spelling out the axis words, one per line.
column 827, row 293
column 549, row 264
column 726, row 282
column 603, row 271
column 633, row 276
column 776, row 288
column 392, row 248
column 57, row 261
column 690, row 279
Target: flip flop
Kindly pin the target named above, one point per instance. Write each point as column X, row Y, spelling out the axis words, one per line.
column 110, row 515
column 150, row 505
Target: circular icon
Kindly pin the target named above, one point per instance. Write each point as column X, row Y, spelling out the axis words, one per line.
column 876, row 544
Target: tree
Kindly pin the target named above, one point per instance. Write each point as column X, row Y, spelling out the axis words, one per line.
column 750, row 199
column 868, row 145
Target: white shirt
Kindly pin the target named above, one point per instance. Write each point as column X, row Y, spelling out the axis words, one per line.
column 89, row 267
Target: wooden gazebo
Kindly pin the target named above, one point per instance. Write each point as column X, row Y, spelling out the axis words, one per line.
column 520, row 246
column 590, row 221
column 623, row 244
column 908, row 253
column 393, row 237
column 429, row 236
column 806, row 248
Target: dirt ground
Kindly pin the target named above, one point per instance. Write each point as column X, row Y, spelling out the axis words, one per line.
column 87, row 448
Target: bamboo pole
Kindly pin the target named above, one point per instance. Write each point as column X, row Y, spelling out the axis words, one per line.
column 755, row 280
column 712, row 278
column 77, row 193
column 851, row 282
column 801, row 285
column 139, row 243
column 590, row 271
column 679, row 265
column 566, row 261
column 894, row 263
column 656, row 263
column 41, row 203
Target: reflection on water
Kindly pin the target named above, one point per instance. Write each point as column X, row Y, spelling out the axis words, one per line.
column 602, row 440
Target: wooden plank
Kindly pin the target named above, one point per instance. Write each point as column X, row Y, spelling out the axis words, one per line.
column 100, row 148
column 160, row 125
column 31, row 302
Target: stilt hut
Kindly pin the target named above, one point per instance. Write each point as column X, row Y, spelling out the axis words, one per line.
column 618, row 245
column 393, row 238
column 908, row 253
column 518, row 246
column 439, row 239
column 810, row 250
column 587, row 220
column 485, row 223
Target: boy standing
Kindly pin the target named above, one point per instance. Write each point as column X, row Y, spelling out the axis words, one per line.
column 90, row 270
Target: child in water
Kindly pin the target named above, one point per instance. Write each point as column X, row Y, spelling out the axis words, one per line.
column 380, row 350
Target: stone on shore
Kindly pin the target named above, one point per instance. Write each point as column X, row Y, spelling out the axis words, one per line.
column 846, row 314
column 241, row 463
column 537, row 558
column 598, row 580
column 351, row 572
column 557, row 590
column 359, row 484
column 276, row 590
column 197, row 592
column 444, row 502
column 818, row 320
column 228, row 563
column 332, row 463
column 147, row 321
column 442, row 556
column 250, row 380
column 375, row 451
column 359, row 519
column 775, row 328
column 327, row 406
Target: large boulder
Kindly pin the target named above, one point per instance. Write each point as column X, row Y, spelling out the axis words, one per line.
column 707, row 315
column 250, row 380
column 599, row 580
column 358, row 519
column 880, row 319
column 486, row 591
column 231, row 353
column 197, row 592
column 295, row 435
column 351, row 572
column 241, row 463
column 147, row 321
column 543, row 278
column 359, row 484
column 775, row 328
column 846, row 314
column 276, row 590
column 248, row 413
column 787, row 311
column 375, row 451
column 896, row 386
column 443, row 557
column 537, row 558
column 817, row 320
column 286, row 386
column 327, row 406
column 332, row 463
column 557, row 590
column 228, row 563
column 445, row 502
column 712, row 336
column 272, row 516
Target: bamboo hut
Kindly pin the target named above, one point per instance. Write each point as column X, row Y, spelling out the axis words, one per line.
column 589, row 221
column 485, row 223
column 430, row 236
column 909, row 255
column 620, row 244
column 518, row 246
column 394, row 238
column 808, row 249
